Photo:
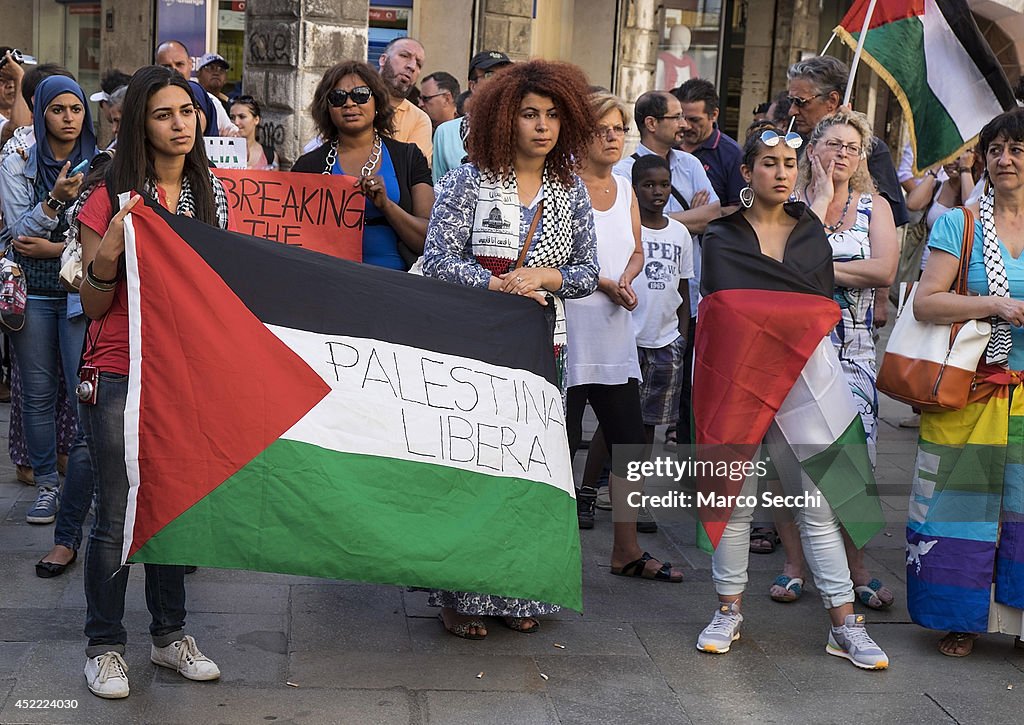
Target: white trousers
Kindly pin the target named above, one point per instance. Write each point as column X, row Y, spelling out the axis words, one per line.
column 820, row 533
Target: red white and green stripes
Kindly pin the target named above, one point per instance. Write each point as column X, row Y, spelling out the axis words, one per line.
column 313, row 416
column 934, row 59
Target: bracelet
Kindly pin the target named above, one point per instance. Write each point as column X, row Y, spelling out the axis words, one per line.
column 99, row 279
column 103, row 285
column 54, row 203
column 99, row 285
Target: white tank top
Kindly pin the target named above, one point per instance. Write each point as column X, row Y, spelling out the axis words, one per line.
column 602, row 343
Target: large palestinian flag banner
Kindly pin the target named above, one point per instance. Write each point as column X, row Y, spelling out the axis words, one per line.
column 762, row 355
column 934, row 59
column 293, row 412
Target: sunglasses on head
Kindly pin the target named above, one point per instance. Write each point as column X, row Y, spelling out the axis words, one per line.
column 791, row 139
column 359, row 95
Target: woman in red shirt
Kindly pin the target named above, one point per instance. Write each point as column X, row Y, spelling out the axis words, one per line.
column 158, row 155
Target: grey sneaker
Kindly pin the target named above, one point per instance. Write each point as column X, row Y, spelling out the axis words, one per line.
column 44, row 510
column 724, row 629
column 184, row 657
column 851, row 641
column 604, row 499
column 107, row 676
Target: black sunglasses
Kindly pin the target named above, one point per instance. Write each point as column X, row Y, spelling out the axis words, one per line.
column 359, row 95
column 801, row 102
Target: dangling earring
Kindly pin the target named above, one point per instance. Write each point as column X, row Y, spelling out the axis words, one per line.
column 747, row 197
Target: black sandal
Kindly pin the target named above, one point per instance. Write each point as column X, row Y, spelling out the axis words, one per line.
column 638, row 568
column 766, row 539
column 517, row 624
column 586, row 502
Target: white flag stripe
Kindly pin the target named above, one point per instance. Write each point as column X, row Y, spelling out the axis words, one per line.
column 819, row 407
column 133, row 402
column 401, row 402
column 971, row 105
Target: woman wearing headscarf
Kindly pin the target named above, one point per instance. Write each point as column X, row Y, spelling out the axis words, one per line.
column 35, row 192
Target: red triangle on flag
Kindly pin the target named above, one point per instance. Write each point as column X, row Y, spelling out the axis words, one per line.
column 217, row 387
column 738, row 388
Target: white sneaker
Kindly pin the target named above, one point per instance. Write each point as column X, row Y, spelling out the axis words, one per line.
column 851, row 642
column 604, row 499
column 724, row 629
column 107, row 675
column 184, row 657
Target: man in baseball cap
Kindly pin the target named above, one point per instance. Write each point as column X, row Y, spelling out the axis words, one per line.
column 212, row 73
column 484, row 64
column 450, row 136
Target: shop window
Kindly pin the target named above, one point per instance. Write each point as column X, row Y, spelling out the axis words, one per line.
column 82, row 43
column 389, row 19
column 689, row 42
column 231, row 42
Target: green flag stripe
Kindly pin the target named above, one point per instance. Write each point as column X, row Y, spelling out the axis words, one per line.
column 971, row 469
column 843, row 474
column 885, row 50
column 369, row 518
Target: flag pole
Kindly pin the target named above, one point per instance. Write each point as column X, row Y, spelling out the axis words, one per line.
column 856, row 55
column 829, row 43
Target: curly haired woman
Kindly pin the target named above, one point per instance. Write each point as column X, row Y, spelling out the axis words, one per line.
column 530, row 123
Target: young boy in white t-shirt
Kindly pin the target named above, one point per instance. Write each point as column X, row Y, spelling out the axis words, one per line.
column 662, row 315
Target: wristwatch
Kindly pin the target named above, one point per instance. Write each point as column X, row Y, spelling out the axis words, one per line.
column 54, row 203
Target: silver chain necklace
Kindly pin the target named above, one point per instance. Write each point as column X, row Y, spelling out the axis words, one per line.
column 368, row 167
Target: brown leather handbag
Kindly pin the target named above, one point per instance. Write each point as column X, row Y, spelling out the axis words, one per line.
column 932, row 366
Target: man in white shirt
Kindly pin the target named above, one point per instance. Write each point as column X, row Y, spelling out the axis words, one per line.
column 659, row 119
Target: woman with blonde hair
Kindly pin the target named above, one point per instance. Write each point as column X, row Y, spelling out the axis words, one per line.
column 835, row 183
column 603, row 367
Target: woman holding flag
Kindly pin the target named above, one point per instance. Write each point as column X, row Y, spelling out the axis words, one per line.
column 768, row 281
column 160, row 154
column 965, row 533
column 517, row 220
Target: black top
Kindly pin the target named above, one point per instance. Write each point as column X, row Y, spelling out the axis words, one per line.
column 410, row 167
column 732, row 257
column 883, row 173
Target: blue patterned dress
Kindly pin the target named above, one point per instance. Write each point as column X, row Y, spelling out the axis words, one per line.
column 853, row 336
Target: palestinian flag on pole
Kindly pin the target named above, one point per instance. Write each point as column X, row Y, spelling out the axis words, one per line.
column 292, row 412
column 934, row 59
column 763, row 354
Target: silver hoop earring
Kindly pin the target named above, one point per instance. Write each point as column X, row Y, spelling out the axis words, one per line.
column 747, row 197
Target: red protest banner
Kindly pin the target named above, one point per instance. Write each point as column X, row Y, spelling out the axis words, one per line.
column 316, row 211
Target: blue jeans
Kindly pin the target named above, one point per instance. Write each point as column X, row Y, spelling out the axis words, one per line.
column 76, row 495
column 47, row 335
column 105, row 578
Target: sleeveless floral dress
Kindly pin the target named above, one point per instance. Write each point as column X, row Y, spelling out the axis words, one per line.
column 853, row 336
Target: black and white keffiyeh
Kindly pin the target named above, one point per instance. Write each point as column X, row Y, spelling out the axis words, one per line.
column 186, row 206
column 998, row 350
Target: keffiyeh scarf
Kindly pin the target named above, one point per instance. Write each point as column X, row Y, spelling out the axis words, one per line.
column 496, row 232
column 998, row 350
